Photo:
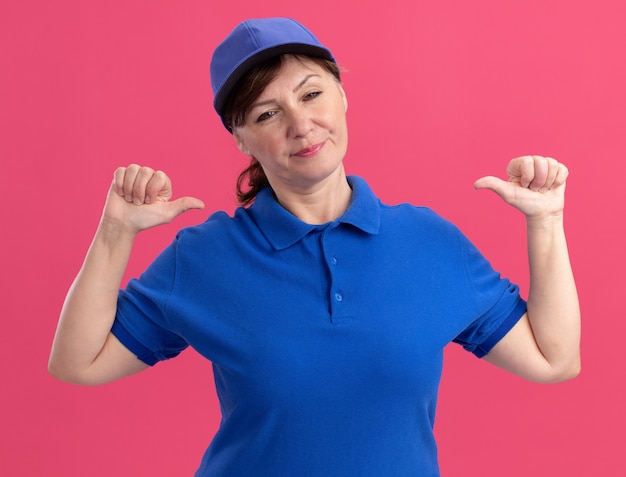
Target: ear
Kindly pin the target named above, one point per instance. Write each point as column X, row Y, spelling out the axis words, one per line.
column 343, row 97
column 241, row 144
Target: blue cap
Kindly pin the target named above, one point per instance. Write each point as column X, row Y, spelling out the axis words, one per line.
column 253, row 42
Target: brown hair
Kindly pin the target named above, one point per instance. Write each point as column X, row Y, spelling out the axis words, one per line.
column 236, row 107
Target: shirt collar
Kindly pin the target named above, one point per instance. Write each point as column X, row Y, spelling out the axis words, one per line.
column 282, row 229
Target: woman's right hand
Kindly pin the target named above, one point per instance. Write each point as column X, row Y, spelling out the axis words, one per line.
column 84, row 350
column 139, row 198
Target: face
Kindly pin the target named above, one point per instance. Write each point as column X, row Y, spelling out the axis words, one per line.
column 297, row 128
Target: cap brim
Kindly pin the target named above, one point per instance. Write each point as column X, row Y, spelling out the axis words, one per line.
column 259, row 57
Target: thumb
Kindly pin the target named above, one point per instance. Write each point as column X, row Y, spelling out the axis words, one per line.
column 495, row 184
column 182, row 204
column 508, row 191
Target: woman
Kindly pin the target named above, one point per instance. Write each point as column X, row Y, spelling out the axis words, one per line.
column 324, row 311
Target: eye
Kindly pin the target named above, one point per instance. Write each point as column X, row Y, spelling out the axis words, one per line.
column 265, row 116
column 311, row 95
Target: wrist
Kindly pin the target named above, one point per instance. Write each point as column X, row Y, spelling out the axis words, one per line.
column 113, row 232
column 545, row 222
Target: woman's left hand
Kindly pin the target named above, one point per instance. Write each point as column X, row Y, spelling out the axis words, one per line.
column 536, row 186
column 544, row 346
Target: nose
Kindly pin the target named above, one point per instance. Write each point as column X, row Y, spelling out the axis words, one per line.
column 300, row 123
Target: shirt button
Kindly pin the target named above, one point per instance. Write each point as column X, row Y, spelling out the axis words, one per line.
column 338, row 297
column 333, row 261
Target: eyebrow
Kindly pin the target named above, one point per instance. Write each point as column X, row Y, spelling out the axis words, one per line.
column 295, row 90
column 301, row 83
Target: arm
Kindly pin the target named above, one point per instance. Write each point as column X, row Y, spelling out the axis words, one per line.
column 84, row 351
column 544, row 346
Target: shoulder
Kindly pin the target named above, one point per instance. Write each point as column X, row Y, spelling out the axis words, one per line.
column 403, row 216
column 418, row 220
column 215, row 229
column 405, row 222
column 218, row 225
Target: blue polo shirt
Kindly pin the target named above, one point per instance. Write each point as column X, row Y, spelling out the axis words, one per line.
column 326, row 340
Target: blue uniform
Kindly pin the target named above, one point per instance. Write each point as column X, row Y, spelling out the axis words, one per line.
column 326, row 340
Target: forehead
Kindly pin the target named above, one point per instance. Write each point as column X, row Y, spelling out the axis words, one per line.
column 293, row 70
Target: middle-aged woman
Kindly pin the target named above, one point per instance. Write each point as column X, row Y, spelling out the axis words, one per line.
column 324, row 311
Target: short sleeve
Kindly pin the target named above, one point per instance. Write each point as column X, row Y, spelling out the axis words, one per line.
column 141, row 322
column 501, row 305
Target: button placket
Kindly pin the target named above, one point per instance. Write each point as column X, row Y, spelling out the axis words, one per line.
column 336, row 292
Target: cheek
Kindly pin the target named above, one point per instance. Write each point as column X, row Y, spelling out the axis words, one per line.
column 262, row 146
column 339, row 120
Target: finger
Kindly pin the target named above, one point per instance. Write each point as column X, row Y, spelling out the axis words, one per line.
column 129, row 181
column 118, row 180
column 522, row 170
column 159, row 187
column 143, row 177
column 561, row 175
column 540, row 173
column 553, row 170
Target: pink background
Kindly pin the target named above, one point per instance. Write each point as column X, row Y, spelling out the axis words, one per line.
column 440, row 94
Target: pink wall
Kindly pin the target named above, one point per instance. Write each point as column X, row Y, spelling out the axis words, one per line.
column 440, row 94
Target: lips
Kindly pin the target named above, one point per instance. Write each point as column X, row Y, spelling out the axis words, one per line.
column 310, row 151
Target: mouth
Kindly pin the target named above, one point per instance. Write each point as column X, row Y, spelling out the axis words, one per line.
column 310, row 151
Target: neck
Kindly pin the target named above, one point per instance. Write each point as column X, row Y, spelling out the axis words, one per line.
column 324, row 202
